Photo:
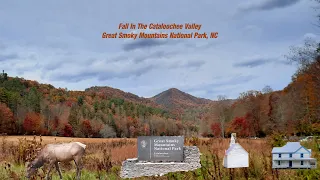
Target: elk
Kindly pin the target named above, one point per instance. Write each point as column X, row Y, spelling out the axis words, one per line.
column 52, row 154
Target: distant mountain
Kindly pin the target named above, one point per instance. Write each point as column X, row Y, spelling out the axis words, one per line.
column 174, row 98
column 110, row 92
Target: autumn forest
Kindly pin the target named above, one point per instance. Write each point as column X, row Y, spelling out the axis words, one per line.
column 28, row 107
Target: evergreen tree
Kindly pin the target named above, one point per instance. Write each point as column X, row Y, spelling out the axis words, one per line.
column 103, row 105
column 47, row 115
column 74, row 118
column 33, row 100
column 3, row 96
column 95, row 106
column 80, row 100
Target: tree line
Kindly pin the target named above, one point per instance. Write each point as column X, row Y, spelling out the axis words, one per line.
column 27, row 107
column 295, row 110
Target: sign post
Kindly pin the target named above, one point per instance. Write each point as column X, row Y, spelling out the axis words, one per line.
column 160, row 148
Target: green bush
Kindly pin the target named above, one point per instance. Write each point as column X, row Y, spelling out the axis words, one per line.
column 278, row 140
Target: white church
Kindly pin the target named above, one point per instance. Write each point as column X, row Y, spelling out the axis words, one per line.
column 235, row 156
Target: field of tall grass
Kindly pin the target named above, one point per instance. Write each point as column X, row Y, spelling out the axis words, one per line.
column 104, row 157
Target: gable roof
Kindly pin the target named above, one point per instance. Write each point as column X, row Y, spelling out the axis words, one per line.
column 235, row 147
column 290, row 147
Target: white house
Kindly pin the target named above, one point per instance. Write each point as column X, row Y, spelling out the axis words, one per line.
column 236, row 156
column 292, row 155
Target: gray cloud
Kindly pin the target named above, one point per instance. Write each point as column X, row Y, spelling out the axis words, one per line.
column 143, row 43
column 100, row 74
column 252, row 63
column 144, row 56
column 2, row 46
column 239, row 79
column 235, row 80
column 9, row 57
column 26, row 67
column 268, row 5
column 193, row 64
column 118, row 58
column 137, row 72
column 69, row 59
column 58, row 45
column 72, row 77
column 157, row 54
column 52, row 66
column 258, row 62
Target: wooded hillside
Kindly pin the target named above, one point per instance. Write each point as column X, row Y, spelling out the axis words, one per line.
column 27, row 107
column 293, row 111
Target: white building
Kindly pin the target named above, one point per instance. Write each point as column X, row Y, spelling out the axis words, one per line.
column 292, row 155
column 236, row 156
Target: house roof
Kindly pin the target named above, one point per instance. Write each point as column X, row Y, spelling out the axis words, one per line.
column 293, row 159
column 290, row 147
column 235, row 147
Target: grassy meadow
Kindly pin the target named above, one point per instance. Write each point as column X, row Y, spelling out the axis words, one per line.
column 104, row 157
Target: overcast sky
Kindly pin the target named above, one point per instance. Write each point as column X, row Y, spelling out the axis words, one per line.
column 59, row 42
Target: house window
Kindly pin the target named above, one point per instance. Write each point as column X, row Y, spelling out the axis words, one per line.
column 301, row 163
column 301, row 155
column 290, row 155
column 279, row 155
column 279, row 162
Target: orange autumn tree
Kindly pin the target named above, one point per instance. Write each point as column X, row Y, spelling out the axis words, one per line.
column 32, row 123
column 67, row 130
column 305, row 103
column 132, row 124
column 240, row 126
column 309, row 96
column 146, row 129
column 86, row 128
column 7, row 123
column 216, row 129
column 96, row 127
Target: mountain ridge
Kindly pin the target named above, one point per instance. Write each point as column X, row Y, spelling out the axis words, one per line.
column 171, row 99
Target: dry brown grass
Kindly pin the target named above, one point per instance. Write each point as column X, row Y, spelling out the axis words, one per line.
column 53, row 139
column 120, row 148
column 106, row 155
column 101, row 154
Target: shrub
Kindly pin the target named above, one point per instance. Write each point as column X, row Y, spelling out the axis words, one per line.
column 7, row 123
column 107, row 132
column 67, row 131
column 277, row 140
